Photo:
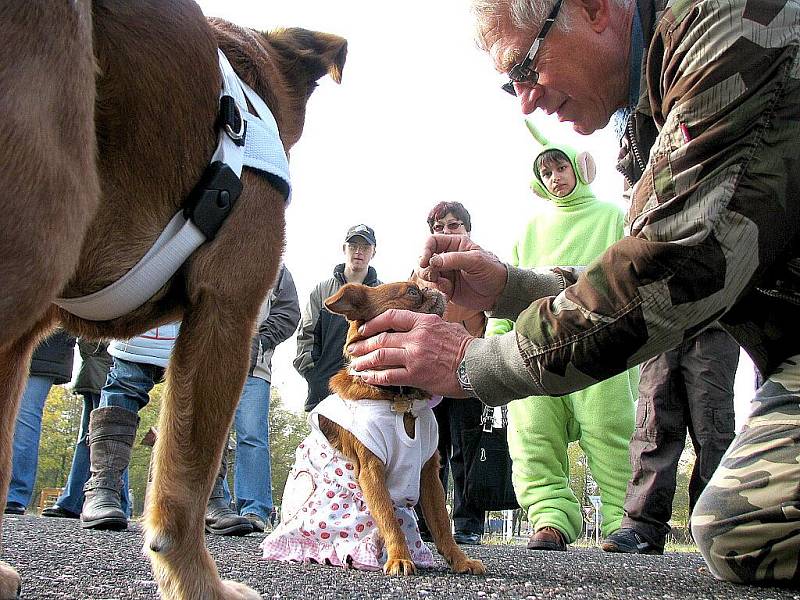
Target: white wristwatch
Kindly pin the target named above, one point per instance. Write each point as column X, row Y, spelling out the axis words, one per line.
column 463, row 378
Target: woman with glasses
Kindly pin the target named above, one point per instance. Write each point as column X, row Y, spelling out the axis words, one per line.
column 454, row 416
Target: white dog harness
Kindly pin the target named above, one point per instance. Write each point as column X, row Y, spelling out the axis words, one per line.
column 245, row 139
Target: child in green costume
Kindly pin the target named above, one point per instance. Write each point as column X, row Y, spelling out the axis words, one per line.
column 573, row 228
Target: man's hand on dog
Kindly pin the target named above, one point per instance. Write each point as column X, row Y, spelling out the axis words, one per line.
column 469, row 275
column 413, row 349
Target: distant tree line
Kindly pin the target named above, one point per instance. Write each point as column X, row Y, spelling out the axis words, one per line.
column 61, row 421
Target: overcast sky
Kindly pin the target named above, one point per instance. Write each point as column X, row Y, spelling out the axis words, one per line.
column 419, row 118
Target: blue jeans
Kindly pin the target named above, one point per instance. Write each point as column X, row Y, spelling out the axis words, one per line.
column 128, row 385
column 252, row 482
column 27, row 433
column 71, row 498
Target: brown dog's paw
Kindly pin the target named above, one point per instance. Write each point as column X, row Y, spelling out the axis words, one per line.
column 399, row 566
column 10, row 583
column 469, row 566
column 233, row 590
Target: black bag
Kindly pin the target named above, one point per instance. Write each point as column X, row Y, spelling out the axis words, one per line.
column 487, row 464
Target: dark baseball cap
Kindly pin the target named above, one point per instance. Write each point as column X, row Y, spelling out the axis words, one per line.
column 364, row 231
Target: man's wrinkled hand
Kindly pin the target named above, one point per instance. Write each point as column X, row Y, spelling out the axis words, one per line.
column 411, row 349
column 469, row 275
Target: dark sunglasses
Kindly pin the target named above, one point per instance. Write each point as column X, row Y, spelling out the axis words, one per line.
column 522, row 72
column 451, row 226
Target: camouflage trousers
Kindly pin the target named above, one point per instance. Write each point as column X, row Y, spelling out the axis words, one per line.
column 747, row 521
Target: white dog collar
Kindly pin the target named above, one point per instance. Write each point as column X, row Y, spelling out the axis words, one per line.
column 255, row 144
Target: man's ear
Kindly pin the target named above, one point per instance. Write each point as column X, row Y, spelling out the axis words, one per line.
column 351, row 301
column 596, row 12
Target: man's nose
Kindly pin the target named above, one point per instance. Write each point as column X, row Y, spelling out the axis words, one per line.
column 529, row 96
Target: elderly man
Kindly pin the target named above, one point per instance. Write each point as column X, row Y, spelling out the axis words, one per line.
column 711, row 143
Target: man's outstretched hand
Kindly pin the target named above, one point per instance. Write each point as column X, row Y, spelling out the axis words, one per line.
column 413, row 349
column 469, row 275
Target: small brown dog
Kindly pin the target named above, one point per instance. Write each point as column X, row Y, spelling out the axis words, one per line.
column 377, row 459
column 109, row 117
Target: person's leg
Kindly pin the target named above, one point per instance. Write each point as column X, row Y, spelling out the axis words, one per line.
column 112, row 428
column 128, row 385
column 605, row 414
column 442, row 414
column 220, row 518
column 537, row 441
column 746, row 522
column 252, row 481
column 468, row 519
column 709, row 370
column 658, row 440
column 27, row 433
column 70, row 502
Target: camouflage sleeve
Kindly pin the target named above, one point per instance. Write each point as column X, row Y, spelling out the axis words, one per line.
column 723, row 89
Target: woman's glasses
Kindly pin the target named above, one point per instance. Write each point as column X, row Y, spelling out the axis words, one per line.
column 451, row 226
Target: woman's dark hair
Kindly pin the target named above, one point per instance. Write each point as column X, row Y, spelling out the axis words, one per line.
column 549, row 158
column 455, row 208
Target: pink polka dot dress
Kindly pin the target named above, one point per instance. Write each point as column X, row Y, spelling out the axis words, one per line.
column 324, row 516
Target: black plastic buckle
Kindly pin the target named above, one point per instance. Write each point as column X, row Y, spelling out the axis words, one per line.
column 230, row 120
column 212, row 199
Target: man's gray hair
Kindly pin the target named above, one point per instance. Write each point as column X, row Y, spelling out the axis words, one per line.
column 494, row 17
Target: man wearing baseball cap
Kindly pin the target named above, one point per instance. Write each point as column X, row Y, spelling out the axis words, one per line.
column 322, row 334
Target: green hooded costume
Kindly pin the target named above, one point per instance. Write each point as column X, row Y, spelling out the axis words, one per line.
column 570, row 230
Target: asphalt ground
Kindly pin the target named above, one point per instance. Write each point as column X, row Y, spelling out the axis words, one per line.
column 59, row 560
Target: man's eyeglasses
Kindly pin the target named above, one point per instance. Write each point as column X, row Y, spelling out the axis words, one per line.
column 451, row 226
column 522, row 72
column 358, row 247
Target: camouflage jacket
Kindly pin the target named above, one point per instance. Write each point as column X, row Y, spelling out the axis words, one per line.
column 713, row 149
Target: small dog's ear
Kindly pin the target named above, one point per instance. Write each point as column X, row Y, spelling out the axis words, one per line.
column 351, row 301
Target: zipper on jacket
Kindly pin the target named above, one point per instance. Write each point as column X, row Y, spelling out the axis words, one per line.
column 633, row 148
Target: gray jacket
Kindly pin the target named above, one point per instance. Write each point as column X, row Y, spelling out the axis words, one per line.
column 279, row 315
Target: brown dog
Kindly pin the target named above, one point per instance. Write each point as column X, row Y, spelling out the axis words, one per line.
column 359, row 303
column 107, row 122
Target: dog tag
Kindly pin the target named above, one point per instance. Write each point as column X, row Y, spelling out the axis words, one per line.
column 401, row 405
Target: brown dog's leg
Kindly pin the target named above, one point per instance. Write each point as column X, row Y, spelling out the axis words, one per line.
column 48, row 184
column 14, row 362
column 372, row 479
column 206, row 374
column 432, row 502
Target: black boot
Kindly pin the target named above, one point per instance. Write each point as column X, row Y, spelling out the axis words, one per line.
column 220, row 518
column 111, row 433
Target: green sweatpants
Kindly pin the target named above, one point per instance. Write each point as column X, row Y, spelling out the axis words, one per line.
column 600, row 418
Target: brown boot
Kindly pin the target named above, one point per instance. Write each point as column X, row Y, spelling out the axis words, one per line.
column 111, row 433
column 547, row 538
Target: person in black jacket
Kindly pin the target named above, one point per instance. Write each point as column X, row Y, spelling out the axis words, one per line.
column 51, row 365
column 320, row 339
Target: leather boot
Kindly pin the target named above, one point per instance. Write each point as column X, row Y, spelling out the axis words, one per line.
column 111, row 433
column 220, row 518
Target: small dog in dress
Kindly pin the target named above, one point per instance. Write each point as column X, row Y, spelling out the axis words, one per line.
column 370, row 457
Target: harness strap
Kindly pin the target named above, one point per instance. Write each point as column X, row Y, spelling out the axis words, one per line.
column 252, row 140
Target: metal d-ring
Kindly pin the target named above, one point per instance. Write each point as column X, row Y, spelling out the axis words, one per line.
column 236, row 136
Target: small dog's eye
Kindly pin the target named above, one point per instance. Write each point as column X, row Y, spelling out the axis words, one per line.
column 413, row 292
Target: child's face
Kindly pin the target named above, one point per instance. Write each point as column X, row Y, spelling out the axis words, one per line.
column 558, row 177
